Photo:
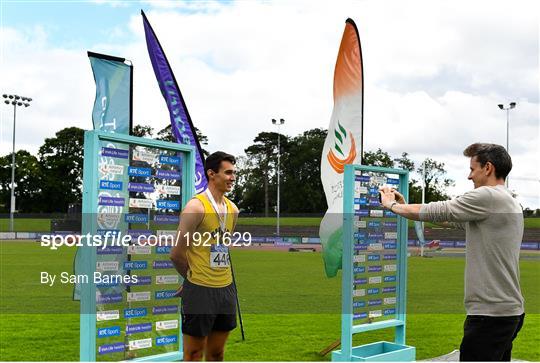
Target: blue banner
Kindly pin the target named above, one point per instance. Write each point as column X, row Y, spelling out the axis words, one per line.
column 182, row 126
column 112, row 107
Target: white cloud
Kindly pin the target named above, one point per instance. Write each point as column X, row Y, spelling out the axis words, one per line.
column 434, row 73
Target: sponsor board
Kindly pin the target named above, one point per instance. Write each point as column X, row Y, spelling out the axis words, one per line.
column 390, row 245
column 110, row 250
column 389, row 300
column 168, row 204
column 168, row 189
column 359, row 316
column 374, row 257
column 111, row 331
column 145, row 156
column 359, row 258
column 390, row 224
column 359, row 269
column 361, row 212
column 360, row 224
column 135, row 312
column 167, row 174
column 112, row 169
column 114, row 153
column 166, row 219
column 107, row 266
column 136, row 171
column 110, row 185
column 389, row 311
column 141, row 280
column 135, row 265
column 138, row 296
column 359, row 292
column 359, row 304
column 376, row 213
column 166, row 325
column 140, row 344
column 167, row 159
column 169, row 339
column 139, row 250
column 391, row 256
column 362, row 178
column 375, row 302
column 375, row 314
column 136, row 218
column 389, row 278
column 138, row 328
column 163, row 250
column 140, row 187
column 373, row 291
column 390, row 235
column 162, row 264
column 375, row 247
column 392, row 181
column 111, row 348
column 107, row 315
column 167, row 279
column 108, row 298
column 140, row 203
column 167, row 309
column 377, row 268
column 375, row 280
column 389, row 289
column 111, row 201
column 361, row 281
column 164, row 294
column 390, row 268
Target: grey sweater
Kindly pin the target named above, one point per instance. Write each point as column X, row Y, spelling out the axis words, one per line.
column 493, row 224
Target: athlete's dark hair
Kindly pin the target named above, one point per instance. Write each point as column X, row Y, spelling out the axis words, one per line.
column 495, row 154
column 213, row 161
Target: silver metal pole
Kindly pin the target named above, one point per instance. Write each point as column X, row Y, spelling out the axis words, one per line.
column 278, row 166
column 12, row 201
column 507, row 139
column 423, row 202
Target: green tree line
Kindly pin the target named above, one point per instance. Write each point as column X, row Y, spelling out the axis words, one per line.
column 52, row 179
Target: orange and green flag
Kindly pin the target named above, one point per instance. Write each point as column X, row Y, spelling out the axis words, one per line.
column 343, row 144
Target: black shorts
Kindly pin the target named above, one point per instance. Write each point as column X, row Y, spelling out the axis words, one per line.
column 206, row 309
column 489, row 338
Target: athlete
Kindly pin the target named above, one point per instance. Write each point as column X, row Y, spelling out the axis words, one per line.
column 201, row 256
column 493, row 223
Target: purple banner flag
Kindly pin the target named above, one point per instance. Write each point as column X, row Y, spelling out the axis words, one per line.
column 182, row 126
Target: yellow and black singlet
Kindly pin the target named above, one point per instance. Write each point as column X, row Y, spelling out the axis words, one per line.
column 209, row 263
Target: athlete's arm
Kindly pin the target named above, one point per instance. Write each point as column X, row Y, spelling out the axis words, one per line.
column 236, row 212
column 191, row 217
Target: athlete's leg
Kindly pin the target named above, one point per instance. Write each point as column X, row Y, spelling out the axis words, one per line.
column 194, row 348
column 215, row 345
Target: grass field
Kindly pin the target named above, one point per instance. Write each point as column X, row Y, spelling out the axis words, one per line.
column 290, row 309
column 44, row 225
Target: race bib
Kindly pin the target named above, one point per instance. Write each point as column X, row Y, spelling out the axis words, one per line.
column 219, row 256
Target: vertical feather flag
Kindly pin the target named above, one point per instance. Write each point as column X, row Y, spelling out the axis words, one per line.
column 182, row 126
column 343, row 144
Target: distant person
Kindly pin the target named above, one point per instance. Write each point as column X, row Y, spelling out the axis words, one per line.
column 208, row 293
column 493, row 223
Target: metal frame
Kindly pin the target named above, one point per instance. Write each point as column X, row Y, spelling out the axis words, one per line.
column 347, row 327
column 89, row 225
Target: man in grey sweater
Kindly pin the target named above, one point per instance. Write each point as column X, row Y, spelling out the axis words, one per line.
column 493, row 224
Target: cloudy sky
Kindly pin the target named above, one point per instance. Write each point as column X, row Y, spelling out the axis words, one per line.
column 434, row 71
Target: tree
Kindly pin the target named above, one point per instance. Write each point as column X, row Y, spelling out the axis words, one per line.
column 28, row 175
column 166, row 134
column 302, row 190
column 378, row 158
column 262, row 164
column 143, row 131
column 61, row 158
column 435, row 180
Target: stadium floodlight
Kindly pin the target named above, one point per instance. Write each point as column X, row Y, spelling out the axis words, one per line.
column 507, row 109
column 275, row 122
column 16, row 101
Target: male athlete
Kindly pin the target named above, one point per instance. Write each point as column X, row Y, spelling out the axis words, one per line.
column 208, row 293
column 493, row 224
